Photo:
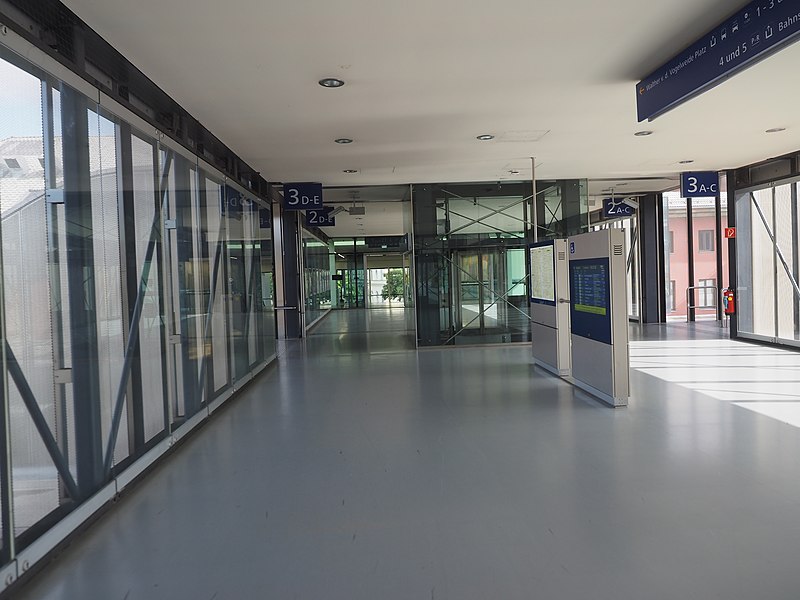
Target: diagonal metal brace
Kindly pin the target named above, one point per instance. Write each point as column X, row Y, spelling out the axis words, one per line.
column 133, row 333
column 40, row 423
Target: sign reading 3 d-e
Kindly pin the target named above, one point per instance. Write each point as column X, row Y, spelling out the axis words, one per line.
column 699, row 184
column 302, row 196
column 614, row 208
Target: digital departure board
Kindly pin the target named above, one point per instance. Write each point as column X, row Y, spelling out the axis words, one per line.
column 590, row 298
column 543, row 282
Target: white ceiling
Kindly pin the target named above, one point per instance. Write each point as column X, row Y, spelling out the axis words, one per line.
column 550, row 80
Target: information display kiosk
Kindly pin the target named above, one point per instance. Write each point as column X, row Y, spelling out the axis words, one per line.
column 599, row 315
column 549, row 308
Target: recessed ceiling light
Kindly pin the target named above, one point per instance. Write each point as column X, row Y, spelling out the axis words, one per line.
column 644, row 133
column 776, row 130
column 484, row 137
column 331, row 82
column 343, row 141
column 685, row 162
column 350, row 171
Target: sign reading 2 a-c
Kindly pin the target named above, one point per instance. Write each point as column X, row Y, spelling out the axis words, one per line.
column 700, row 184
column 302, row 196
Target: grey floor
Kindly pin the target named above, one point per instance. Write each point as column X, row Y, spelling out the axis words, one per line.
column 362, row 469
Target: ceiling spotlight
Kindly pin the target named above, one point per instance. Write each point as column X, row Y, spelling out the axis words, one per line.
column 331, row 82
column 343, row 141
column 685, row 162
column 484, row 137
column 350, row 171
column 775, row 130
column 644, row 133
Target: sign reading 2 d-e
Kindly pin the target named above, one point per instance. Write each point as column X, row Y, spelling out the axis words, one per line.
column 700, row 184
column 321, row 218
column 302, row 196
column 614, row 208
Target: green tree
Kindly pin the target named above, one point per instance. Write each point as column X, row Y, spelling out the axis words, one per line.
column 394, row 288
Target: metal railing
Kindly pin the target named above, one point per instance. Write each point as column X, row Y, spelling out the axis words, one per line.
column 689, row 294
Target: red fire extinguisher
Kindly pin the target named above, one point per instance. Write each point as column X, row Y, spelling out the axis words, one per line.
column 728, row 301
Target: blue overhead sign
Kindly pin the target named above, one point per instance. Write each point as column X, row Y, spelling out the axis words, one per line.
column 615, row 208
column 302, row 196
column 320, row 218
column 755, row 32
column 700, row 184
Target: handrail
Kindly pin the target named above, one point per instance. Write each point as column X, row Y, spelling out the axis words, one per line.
column 689, row 304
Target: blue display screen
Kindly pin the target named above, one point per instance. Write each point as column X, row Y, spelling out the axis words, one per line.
column 590, row 298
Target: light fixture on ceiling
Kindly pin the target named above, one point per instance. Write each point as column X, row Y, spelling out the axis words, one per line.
column 350, row 171
column 688, row 161
column 643, row 133
column 622, row 183
column 343, row 141
column 485, row 137
column 775, row 130
column 513, row 172
column 331, row 82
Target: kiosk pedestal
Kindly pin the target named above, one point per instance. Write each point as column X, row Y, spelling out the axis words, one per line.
column 599, row 315
column 550, row 306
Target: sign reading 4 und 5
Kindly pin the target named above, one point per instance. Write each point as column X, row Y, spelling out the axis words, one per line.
column 699, row 184
column 302, row 196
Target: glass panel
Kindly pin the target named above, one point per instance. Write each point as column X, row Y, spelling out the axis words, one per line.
column 107, row 271
column 267, row 328
column 784, row 238
column 676, row 255
column 763, row 266
column 317, row 278
column 705, row 258
column 744, row 264
column 145, row 200
column 28, row 324
column 237, row 282
column 213, row 235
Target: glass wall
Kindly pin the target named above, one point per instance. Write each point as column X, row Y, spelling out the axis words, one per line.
column 767, row 250
column 695, row 256
column 137, row 289
column 316, row 278
column 631, row 229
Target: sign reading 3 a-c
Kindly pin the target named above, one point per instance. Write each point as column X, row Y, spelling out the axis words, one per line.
column 302, row 196
column 700, row 184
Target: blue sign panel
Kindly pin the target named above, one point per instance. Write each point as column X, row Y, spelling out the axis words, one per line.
column 614, row 208
column 758, row 30
column 590, row 299
column 700, row 184
column 265, row 218
column 302, row 196
column 320, row 218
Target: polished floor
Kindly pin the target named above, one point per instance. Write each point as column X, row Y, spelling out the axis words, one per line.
column 362, row 469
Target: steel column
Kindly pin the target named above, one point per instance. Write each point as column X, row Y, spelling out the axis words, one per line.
column 81, row 286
